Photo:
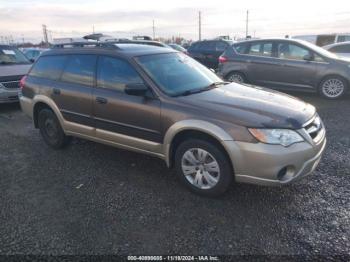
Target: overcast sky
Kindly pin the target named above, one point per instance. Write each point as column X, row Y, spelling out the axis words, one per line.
column 268, row 18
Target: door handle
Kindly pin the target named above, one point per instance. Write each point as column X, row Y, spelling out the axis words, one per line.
column 56, row 91
column 101, row 100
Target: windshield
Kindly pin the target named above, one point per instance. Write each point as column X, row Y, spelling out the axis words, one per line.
column 10, row 55
column 176, row 73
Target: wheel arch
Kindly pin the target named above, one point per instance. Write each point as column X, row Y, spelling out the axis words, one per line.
column 193, row 129
column 347, row 82
column 41, row 102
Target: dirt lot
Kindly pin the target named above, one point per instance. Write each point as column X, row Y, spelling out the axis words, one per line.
column 95, row 199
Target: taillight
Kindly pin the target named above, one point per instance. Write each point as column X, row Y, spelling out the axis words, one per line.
column 22, row 82
column 223, row 59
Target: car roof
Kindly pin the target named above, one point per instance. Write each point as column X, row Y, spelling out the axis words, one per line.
column 128, row 50
column 8, row 47
column 271, row 39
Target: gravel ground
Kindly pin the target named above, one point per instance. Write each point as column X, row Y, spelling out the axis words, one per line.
column 95, row 199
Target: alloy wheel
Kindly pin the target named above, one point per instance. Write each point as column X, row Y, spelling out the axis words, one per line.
column 333, row 88
column 236, row 78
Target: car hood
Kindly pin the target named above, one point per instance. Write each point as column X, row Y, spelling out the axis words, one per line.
column 253, row 106
column 14, row 70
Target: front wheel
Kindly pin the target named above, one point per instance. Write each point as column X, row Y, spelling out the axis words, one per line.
column 236, row 77
column 51, row 129
column 203, row 167
column 333, row 87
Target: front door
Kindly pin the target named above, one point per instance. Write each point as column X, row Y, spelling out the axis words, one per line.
column 295, row 72
column 119, row 117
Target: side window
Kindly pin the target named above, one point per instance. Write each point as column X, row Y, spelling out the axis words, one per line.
column 221, row 46
column 291, row 51
column 254, row 49
column 49, row 67
column 114, row 73
column 80, row 70
column 261, row 49
column 267, row 49
column 240, row 48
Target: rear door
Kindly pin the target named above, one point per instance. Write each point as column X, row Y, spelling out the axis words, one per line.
column 73, row 93
column 261, row 66
column 129, row 117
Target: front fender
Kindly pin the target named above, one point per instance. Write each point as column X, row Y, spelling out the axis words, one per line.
column 191, row 124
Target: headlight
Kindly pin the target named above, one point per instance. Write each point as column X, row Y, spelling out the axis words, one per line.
column 284, row 137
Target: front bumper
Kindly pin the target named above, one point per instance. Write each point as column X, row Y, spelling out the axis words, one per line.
column 8, row 95
column 265, row 164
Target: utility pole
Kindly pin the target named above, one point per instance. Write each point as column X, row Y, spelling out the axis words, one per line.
column 246, row 25
column 199, row 25
column 154, row 30
column 46, row 40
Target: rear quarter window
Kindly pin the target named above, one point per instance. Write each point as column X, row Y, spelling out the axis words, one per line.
column 49, row 67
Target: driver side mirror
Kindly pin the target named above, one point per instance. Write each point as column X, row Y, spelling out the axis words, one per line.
column 136, row 89
column 308, row 57
column 32, row 60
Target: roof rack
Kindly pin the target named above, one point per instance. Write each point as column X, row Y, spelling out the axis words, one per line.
column 86, row 44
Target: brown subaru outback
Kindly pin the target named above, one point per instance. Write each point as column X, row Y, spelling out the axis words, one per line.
column 163, row 103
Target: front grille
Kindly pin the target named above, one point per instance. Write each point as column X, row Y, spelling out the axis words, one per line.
column 315, row 129
column 11, row 84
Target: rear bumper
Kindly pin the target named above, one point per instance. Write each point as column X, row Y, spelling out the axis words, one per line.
column 26, row 105
column 265, row 164
column 8, row 95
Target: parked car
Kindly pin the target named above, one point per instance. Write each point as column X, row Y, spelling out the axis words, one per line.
column 33, row 53
column 178, row 48
column 207, row 52
column 163, row 103
column 286, row 64
column 324, row 39
column 13, row 65
column 340, row 49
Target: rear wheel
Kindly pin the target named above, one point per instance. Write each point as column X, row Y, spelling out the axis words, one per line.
column 203, row 167
column 236, row 77
column 333, row 87
column 51, row 130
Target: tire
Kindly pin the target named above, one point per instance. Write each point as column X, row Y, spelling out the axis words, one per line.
column 51, row 130
column 333, row 87
column 236, row 77
column 195, row 175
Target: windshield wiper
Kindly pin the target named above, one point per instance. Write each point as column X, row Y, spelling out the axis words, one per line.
column 6, row 63
column 199, row 90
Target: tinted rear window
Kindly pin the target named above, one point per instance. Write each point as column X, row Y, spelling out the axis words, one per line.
column 80, row 69
column 49, row 67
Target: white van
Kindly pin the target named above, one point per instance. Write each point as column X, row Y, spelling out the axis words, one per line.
column 324, row 39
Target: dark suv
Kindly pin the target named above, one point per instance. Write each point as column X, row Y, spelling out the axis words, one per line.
column 208, row 52
column 286, row 64
column 163, row 103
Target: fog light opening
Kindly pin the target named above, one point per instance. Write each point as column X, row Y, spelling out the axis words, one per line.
column 285, row 173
